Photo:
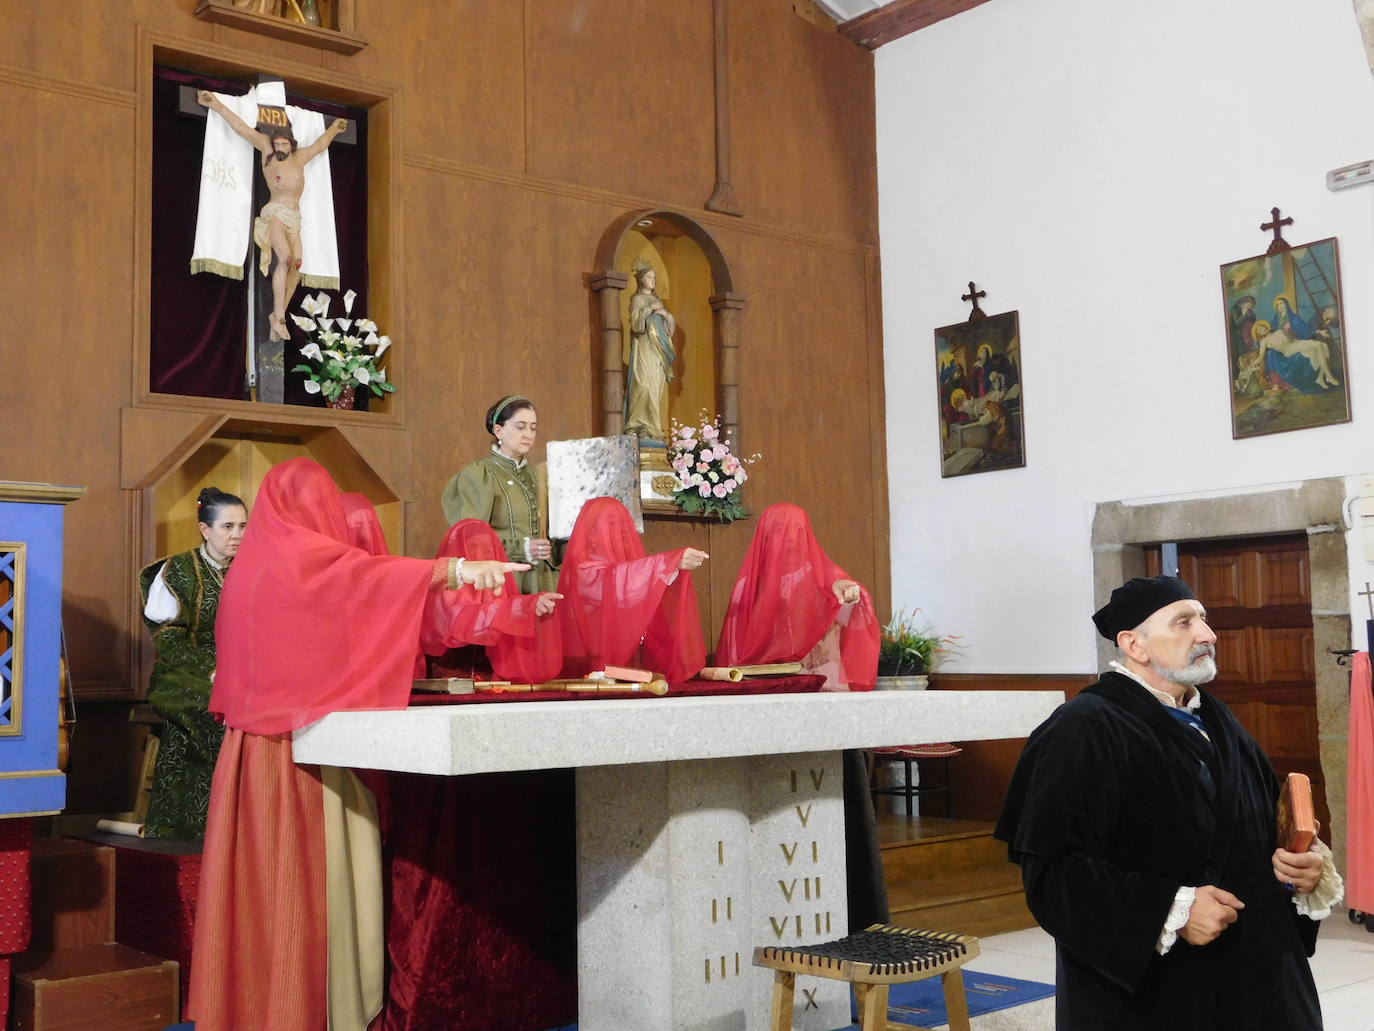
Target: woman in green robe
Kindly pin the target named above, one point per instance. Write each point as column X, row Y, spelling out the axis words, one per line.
column 506, row 492
column 180, row 601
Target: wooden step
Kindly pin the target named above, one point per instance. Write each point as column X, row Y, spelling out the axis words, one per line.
column 94, row 988
column 950, row 875
column 73, row 894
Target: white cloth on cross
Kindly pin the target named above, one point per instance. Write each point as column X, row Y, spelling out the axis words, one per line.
column 224, row 212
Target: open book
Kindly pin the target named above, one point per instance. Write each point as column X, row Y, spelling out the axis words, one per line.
column 1297, row 821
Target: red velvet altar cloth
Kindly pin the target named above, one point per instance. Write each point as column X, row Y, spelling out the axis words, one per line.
column 482, row 924
column 16, row 917
column 799, row 684
column 482, row 928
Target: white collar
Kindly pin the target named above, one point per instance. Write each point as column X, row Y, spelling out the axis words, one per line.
column 1192, row 698
column 205, row 554
column 519, row 463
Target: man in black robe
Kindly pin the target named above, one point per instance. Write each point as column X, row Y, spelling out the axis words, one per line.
column 1142, row 815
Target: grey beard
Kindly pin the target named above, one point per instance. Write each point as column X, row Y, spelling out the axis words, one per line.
column 1200, row 670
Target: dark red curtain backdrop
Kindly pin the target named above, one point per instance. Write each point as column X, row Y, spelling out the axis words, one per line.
column 198, row 322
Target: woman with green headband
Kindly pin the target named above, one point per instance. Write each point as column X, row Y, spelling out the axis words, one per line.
column 509, row 494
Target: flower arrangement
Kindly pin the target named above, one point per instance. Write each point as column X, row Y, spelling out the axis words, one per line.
column 343, row 352
column 708, row 475
column 908, row 648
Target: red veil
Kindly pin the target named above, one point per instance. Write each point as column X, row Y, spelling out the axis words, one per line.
column 364, row 528
column 309, row 624
column 783, row 605
column 615, row 597
column 522, row 647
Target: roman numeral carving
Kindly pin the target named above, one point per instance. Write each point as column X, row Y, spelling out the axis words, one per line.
column 720, row 853
column 815, row 852
column 778, row 926
column 805, row 818
column 810, row 995
column 790, row 854
column 788, row 889
column 817, row 777
column 729, row 909
column 794, row 782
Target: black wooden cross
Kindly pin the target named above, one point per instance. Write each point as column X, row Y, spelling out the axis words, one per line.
column 973, row 294
column 1280, row 244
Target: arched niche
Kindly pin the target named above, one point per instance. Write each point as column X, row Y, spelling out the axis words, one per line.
column 700, row 291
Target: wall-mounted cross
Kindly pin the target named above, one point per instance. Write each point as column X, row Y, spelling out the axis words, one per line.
column 1280, row 244
column 1368, row 595
column 973, row 294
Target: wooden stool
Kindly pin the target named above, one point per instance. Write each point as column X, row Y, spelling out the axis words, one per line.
column 871, row 961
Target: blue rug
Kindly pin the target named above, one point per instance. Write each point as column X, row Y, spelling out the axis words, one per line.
column 923, row 1002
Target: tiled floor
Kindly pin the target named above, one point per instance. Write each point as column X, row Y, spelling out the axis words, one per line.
column 1343, row 969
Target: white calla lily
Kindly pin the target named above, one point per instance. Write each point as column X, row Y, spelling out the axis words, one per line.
column 344, row 324
column 371, row 340
column 309, row 305
column 362, row 375
column 324, row 323
column 322, row 299
column 349, row 298
column 336, row 355
column 367, row 326
column 312, row 350
column 306, row 324
column 382, row 345
column 380, row 376
column 311, row 387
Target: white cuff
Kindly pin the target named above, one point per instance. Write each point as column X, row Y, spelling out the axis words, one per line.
column 162, row 604
column 1330, row 889
column 1178, row 916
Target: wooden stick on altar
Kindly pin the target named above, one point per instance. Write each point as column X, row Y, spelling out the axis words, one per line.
column 653, row 687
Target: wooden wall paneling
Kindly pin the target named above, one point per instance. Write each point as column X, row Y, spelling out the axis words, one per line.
column 1289, row 731
column 1284, row 655
column 638, row 81
column 1235, row 656
column 1217, row 579
column 461, row 67
column 1285, row 578
column 801, row 111
column 67, row 340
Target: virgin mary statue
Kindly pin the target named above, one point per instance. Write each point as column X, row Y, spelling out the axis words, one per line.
column 651, row 360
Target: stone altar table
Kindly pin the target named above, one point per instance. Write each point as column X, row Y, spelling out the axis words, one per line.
column 706, row 826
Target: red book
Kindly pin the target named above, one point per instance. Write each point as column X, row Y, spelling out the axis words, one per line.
column 1297, row 820
column 634, row 676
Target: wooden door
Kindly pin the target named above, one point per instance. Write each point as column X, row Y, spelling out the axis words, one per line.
column 1259, row 601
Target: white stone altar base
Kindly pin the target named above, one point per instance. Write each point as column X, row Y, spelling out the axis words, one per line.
column 706, row 826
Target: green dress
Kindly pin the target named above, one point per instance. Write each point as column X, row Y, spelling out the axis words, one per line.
column 513, row 498
column 180, row 692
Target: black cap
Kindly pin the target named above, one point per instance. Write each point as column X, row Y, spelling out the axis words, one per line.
column 1136, row 601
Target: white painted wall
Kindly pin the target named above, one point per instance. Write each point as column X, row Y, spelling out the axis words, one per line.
column 1091, row 163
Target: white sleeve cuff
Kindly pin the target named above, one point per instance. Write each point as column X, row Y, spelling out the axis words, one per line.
column 162, row 603
column 1178, row 916
column 1330, row 889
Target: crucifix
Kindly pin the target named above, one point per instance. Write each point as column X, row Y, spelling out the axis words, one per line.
column 973, row 294
column 1280, row 244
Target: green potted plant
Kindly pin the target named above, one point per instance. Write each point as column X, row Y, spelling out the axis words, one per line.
column 909, row 651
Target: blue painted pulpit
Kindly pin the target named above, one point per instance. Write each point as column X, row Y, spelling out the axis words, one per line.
column 31, row 518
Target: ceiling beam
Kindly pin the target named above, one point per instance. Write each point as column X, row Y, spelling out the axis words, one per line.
column 901, row 18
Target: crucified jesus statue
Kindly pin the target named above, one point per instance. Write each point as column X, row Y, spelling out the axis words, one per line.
column 279, row 224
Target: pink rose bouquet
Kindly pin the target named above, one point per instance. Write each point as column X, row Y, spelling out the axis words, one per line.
column 709, row 475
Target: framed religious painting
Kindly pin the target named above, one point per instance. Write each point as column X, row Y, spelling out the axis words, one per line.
column 978, row 366
column 1286, row 340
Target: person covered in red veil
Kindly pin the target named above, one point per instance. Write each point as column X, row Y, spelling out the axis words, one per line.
column 313, row 625
column 519, row 631
column 791, row 603
column 616, row 597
